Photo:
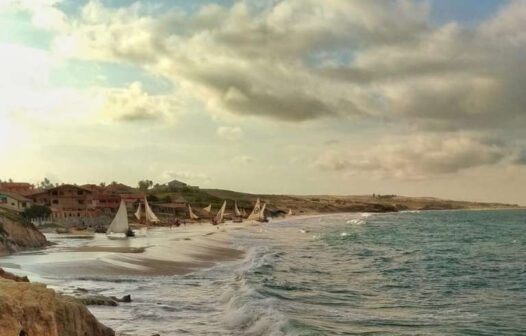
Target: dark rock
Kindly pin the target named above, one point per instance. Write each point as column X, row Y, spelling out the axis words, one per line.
column 98, row 300
column 125, row 298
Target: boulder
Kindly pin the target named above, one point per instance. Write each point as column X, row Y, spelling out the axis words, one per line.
column 33, row 309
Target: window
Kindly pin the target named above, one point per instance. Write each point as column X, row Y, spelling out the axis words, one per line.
column 81, row 201
column 80, row 192
column 55, row 201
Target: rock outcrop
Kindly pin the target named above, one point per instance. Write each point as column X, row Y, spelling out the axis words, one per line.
column 17, row 234
column 32, row 309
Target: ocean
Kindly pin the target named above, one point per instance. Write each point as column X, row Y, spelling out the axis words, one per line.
column 408, row 273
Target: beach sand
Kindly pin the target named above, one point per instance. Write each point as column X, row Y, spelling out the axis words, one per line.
column 153, row 252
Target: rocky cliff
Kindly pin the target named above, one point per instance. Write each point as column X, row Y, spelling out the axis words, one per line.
column 31, row 309
column 17, row 234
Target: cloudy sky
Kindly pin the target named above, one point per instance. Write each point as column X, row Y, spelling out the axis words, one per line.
column 278, row 96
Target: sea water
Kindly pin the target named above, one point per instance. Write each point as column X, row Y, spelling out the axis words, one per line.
column 427, row 273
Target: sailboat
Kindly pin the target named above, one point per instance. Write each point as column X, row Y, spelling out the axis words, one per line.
column 238, row 215
column 151, row 218
column 120, row 222
column 192, row 215
column 254, row 215
column 208, row 208
column 138, row 213
column 262, row 218
column 218, row 219
column 289, row 213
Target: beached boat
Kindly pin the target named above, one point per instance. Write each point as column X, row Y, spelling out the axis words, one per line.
column 120, row 225
column 238, row 218
column 151, row 218
column 138, row 213
column 191, row 214
column 258, row 213
column 218, row 219
column 254, row 215
column 262, row 218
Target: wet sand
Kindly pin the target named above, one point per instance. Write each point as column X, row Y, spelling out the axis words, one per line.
column 155, row 252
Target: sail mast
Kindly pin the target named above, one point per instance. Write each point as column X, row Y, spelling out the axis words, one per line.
column 220, row 214
column 255, row 212
column 150, row 216
column 191, row 213
column 236, row 210
column 120, row 221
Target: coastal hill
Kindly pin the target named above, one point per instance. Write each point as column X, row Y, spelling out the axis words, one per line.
column 177, row 191
column 17, row 234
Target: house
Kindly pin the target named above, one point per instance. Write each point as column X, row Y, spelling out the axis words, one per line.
column 132, row 200
column 66, row 201
column 21, row 188
column 178, row 209
column 14, row 201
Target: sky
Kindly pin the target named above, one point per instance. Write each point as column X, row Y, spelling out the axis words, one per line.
column 408, row 97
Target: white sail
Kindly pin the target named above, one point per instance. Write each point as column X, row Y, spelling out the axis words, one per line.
column 138, row 213
column 255, row 212
column 120, row 222
column 236, row 210
column 219, row 217
column 290, row 212
column 262, row 213
column 208, row 208
column 191, row 213
column 150, row 216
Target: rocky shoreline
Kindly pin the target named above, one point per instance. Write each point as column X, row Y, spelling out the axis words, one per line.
column 17, row 234
column 32, row 309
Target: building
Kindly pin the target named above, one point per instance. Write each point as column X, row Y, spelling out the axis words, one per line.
column 21, row 188
column 67, row 201
column 14, row 201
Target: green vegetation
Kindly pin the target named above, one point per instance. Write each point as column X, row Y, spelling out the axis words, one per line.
column 36, row 211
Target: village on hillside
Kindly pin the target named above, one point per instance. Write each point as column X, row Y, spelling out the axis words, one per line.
column 92, row 205
column 89, row 205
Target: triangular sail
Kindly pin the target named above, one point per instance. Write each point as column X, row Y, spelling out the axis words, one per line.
column 191, row 213
column 236, row 210
column 255, row 212
column 138, row 213
column 220, row 214
column 262, row 213
column 289, row 213
column 120, row 222
column 150, row 216
column 208, row 208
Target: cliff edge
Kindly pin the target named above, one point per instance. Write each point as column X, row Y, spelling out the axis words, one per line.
column 32, row 309
column 17, row 234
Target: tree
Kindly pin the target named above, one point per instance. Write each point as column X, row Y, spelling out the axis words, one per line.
column 45, row 184
column 36, row 211
column 145, row 185
column 152, row 198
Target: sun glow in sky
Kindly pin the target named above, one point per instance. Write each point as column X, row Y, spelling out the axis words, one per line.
column 283, row 96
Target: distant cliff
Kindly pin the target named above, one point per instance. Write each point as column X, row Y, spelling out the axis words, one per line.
column 31, row 309
column 17, row 234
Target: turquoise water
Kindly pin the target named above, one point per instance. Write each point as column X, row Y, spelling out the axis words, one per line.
column 429, row 273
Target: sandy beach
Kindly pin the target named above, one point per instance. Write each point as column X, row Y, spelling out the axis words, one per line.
column 154, row 252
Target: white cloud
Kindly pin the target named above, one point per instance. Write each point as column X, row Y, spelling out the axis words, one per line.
column 418, row 157
column 134, row 104
column 230, row 133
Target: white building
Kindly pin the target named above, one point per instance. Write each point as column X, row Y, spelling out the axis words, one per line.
column 14, row 201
